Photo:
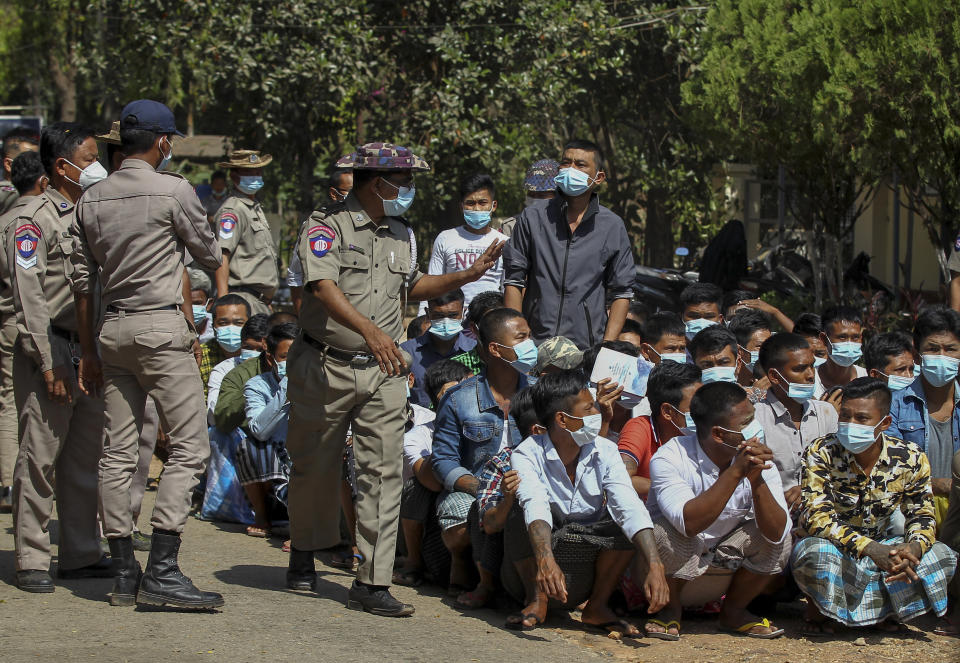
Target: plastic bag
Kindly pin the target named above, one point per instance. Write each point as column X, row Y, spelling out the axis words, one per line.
column 224, row 499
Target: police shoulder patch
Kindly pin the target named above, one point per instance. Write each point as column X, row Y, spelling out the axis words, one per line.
column 228, row 224
column 27, row 239
column 320, row 238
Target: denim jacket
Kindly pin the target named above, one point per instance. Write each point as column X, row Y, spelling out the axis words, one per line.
column 468, row 430
column 911, row 419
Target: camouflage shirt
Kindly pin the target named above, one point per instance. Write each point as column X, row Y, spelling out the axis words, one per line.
column 852, row 509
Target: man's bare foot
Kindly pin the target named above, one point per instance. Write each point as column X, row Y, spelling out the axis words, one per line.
column 667, row 624
column 478, row 598
column 532, row 615
column 816, row 623
column 602, row 617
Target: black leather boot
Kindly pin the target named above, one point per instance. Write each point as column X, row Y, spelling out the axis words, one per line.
column 128, row 572
column 164, row 585
column 301, row 572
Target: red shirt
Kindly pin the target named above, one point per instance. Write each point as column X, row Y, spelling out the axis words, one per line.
column 639, row 441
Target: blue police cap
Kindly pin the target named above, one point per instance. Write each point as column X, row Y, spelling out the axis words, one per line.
column 148, row 115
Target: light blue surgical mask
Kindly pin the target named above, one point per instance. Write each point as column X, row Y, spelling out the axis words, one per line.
column 719, row 374
column 688, row 421
column 819, row 361
column 446, row 328
column 916, row 370
column 399, row 205
column 695, row 326
column 250, row 184
column 526, row 355
column 165, row 161
column 752, row 430
column 846, row 353
column 477, row 219
column 679, row 357
column 229, row 337
column 281, row 368
column 629, row 402
column 199, row 314
column 856, row 438
column 939, row 370
column 800, row 392
column 248, row 354
column 898, row 382
column 589, row 431
column 573, row 182
column 754, row 357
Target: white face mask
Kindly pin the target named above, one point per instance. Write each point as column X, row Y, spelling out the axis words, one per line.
column 166, row 157
column 90, row 175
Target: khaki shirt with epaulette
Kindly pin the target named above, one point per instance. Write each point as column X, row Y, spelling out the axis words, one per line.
column 244, row 233
column 39, row 249
column 8, row 196
column 370, row 263
column 7, row 224
column 133, row 230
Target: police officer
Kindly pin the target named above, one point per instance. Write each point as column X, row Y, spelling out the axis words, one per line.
column 15, row 142
column 249, row 266
column 60, row 429
column 30, row 180
column 345, row 369
column 132, row 231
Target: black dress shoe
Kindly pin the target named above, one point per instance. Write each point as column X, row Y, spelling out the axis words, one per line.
column 301, row 571
column 102, row 569
column 38, row 582
column 377, row 601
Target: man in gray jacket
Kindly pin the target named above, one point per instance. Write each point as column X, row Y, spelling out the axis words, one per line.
column 568, row 255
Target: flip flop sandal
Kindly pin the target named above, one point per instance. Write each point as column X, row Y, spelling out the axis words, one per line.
column 472, row 604
column 408, row 578
column 518, row 624
column 745, row 630
column 623, row 626
column 815, row 629
column 348, row 563
column 947, row 627
column 665, row 634
column 256, row 532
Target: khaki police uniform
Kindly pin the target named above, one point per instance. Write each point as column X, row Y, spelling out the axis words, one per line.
column 9, row 438
column 60, row 442
column 132, row 230
column 334, row 383
column 244, row 233
column 8, row 196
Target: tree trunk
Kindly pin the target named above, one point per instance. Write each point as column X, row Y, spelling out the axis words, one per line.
column 65, row 79
column 658, row 235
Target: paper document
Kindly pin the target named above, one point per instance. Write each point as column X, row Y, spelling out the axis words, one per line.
column 629, row 372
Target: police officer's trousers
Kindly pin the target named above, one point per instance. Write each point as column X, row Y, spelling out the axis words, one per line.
column 148, row 442
column 326, row 396
column 59, row 452
column 8, row 406
column 149, row 353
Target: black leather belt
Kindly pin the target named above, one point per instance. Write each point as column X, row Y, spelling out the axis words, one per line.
column 117, row 309
column 342, row 355
column 65, row 333
column 251, row 291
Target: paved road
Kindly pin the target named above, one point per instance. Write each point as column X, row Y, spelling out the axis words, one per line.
column 261, row 620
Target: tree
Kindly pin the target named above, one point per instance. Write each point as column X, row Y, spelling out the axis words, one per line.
column 777, row 86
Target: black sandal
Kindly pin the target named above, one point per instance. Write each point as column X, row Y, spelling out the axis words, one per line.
column 519, row 619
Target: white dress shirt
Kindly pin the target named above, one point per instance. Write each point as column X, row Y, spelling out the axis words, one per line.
column 545, row 491
column 787, row 443
column 681, row 471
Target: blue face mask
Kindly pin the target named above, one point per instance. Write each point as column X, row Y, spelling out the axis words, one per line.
column 938, row 370
column 688, row 421
column 589, row 431
column 229, row 338
column 526, row 355
column 250, row 184
column 856, row 438
column 695, row 326
column 165, row 160
column 719, row 374
column 846, row 354
column 199, row 314
column 752, row 430
column 249, row 354
column 898, row 382
column 798, row 391
column 573, row 182
column 916, row 370
column 477, row 220
column 754, row 357
column 678, row 357
column 399, row 205
column 819, row 361
column 446, row 328
column 281, row 368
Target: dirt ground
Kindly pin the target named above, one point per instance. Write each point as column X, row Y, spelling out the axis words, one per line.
column 263, row 621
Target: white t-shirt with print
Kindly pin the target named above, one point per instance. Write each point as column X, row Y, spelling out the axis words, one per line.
column 457, row 249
